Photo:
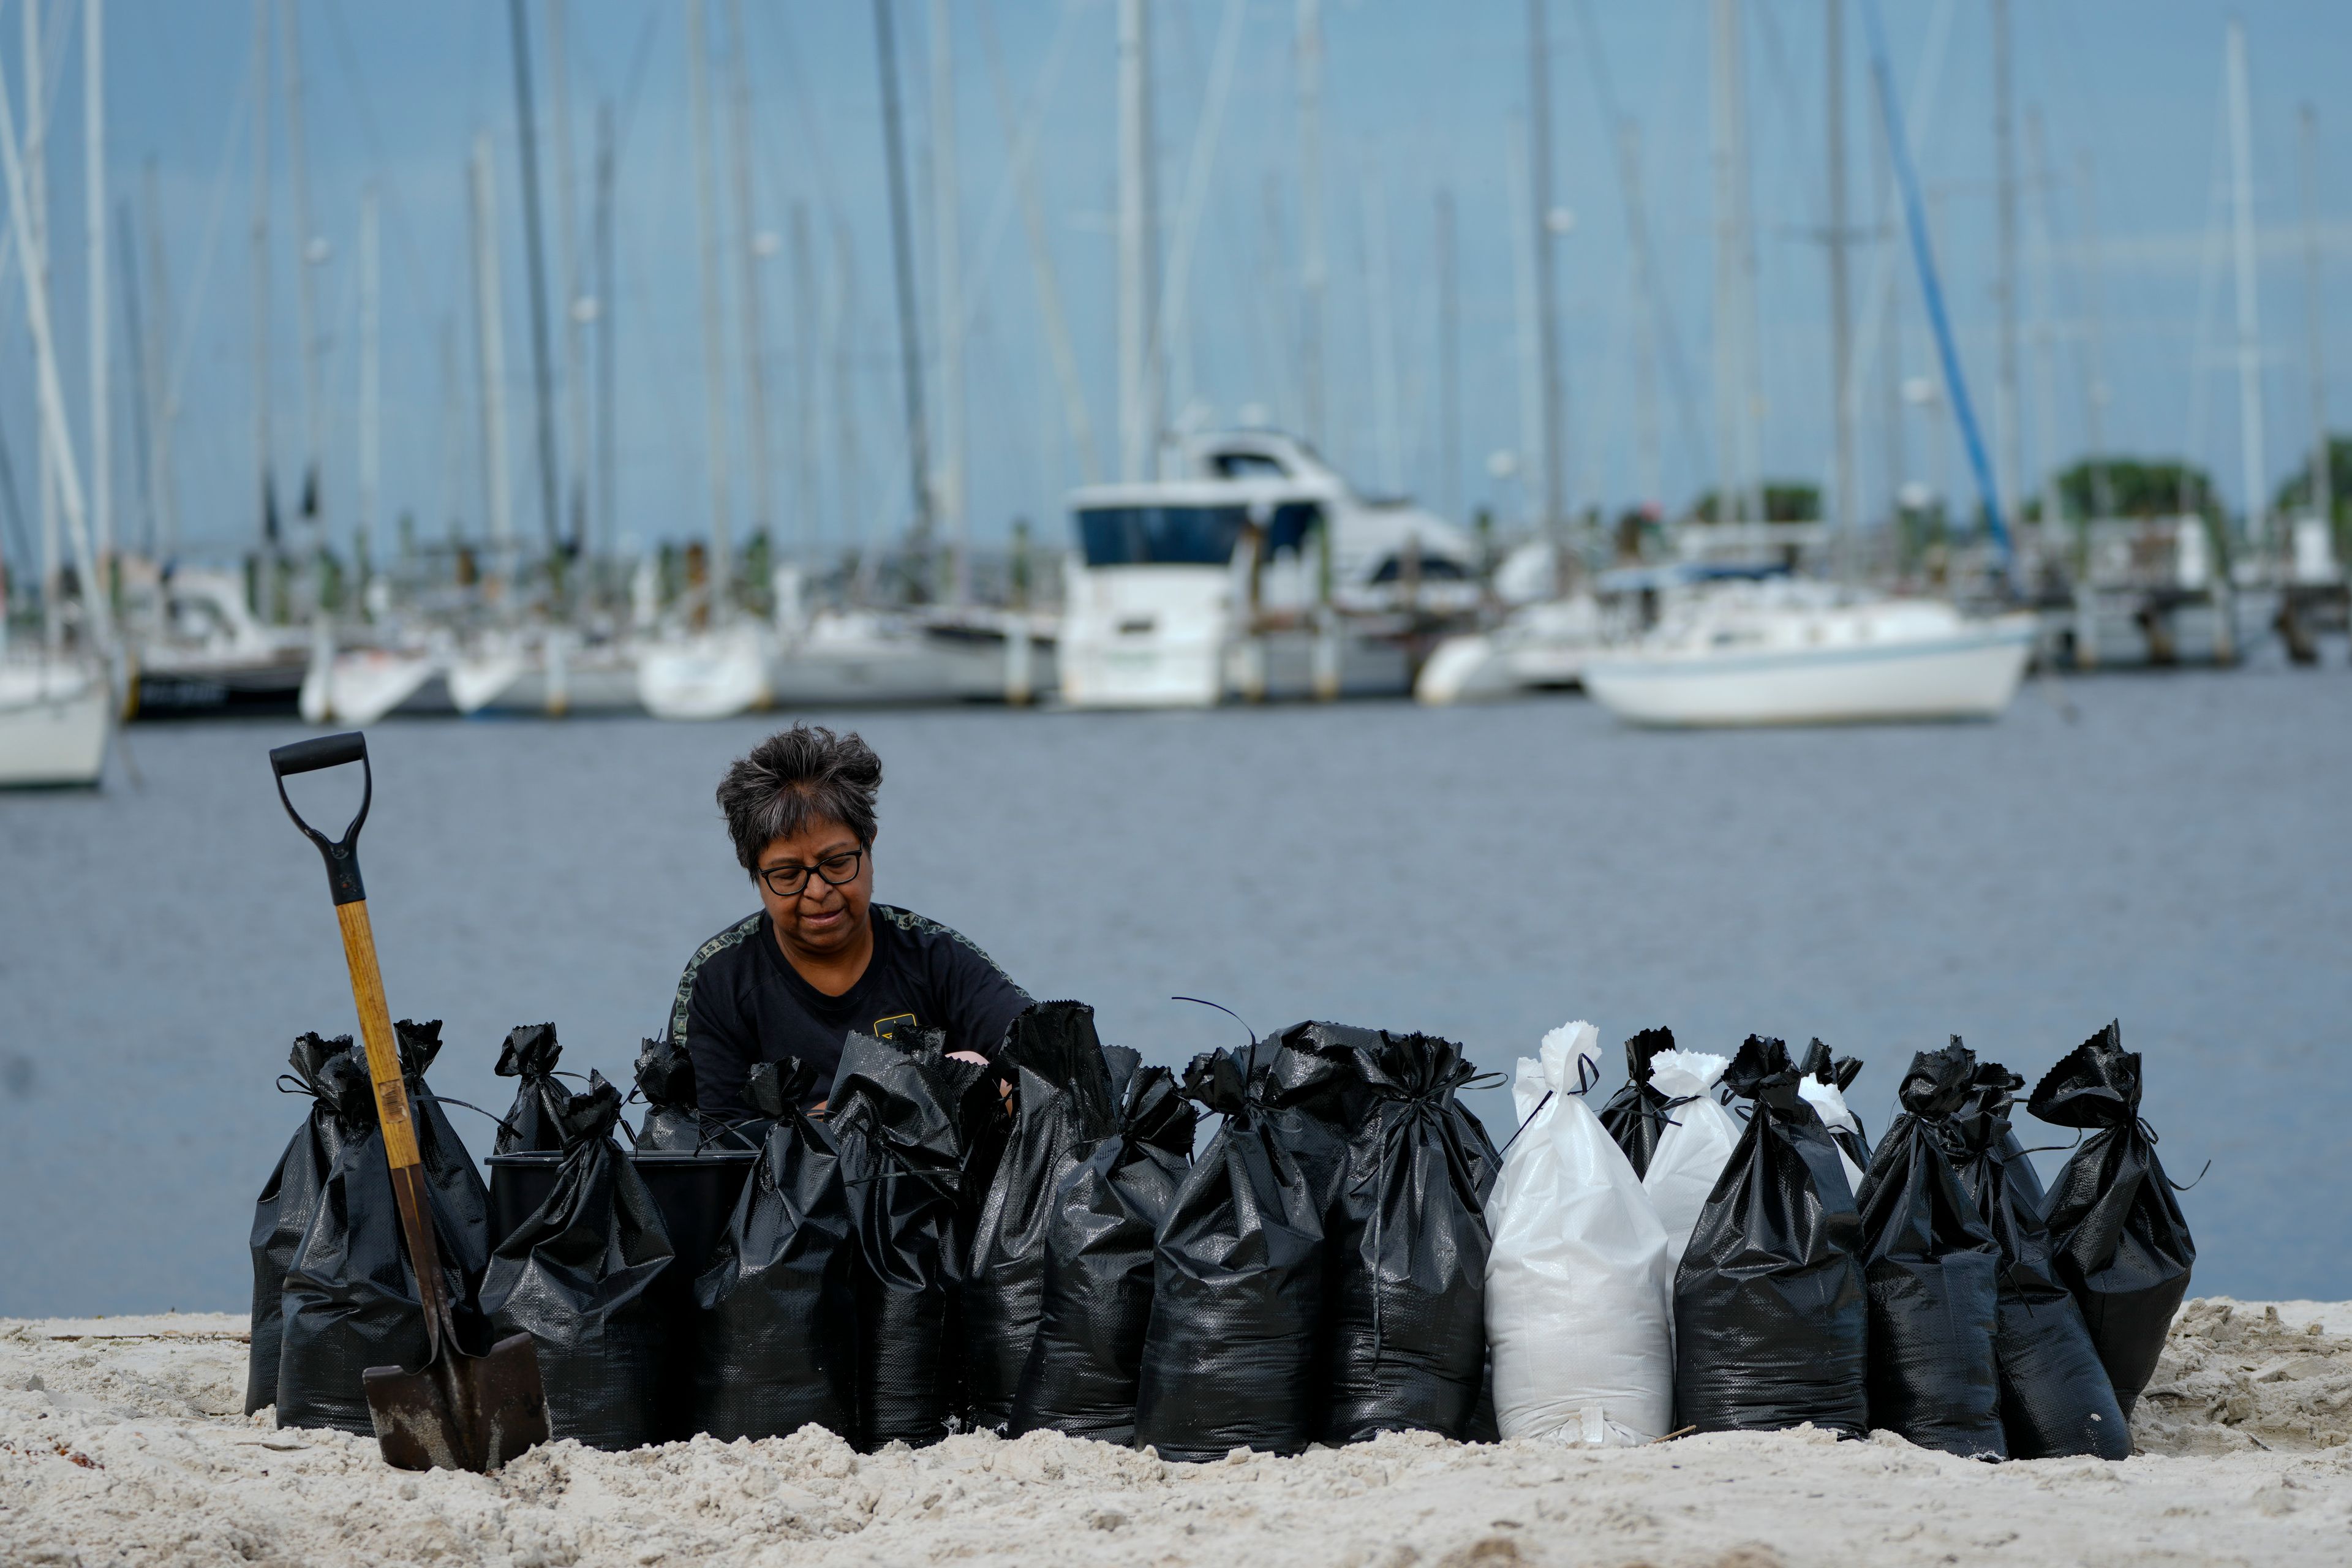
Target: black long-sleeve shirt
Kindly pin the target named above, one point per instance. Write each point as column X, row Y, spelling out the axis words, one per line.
column 740, row 1002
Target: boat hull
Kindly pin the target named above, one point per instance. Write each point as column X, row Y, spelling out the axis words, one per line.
column 1970, row 675
column 53, row 724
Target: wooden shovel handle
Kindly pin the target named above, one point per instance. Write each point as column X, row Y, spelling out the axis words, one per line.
column 392, row 1114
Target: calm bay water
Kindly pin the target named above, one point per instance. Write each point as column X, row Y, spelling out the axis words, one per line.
column 2175, row 857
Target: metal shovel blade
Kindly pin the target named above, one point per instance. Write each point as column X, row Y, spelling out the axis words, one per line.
column 460, row 1412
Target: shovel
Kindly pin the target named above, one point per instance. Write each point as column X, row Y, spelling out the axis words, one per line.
column 459, row 1411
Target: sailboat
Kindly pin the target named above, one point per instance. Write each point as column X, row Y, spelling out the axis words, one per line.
column 56, row 703
column 1801, row 653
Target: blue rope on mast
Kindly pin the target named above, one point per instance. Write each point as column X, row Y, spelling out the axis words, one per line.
column 1923, row 257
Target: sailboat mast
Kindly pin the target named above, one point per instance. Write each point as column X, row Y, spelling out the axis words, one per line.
column 2009, row 426
column 607, row 381
column 535, row 279
column 1449, row 362
column 714, row 345
column 259, row 264
column 1841, row 323
column 1554, row 455
column 371, row 384
column 34, row 219
column 1312, row 269
column 308, row 250
column 2323, row 478
column 567, row 252
column 1138, row 412
column 2045, row 338
column 1383, row 333
column 102, row 408
column 2250, row 329
column 748, row 238
column 166, row 403
column 805, row 316
column 1722, row 79
column 490, row 359
column 902, row 269
column 947, row 293
column 2103, row 501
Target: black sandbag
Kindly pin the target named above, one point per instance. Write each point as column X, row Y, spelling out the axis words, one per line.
column 530, row 1124
column 463, row 1198
column 776, row 1331
column 1840, row 1074
column 1315, row 1098
column 1230, row 1358
column 1931, row 1268
column 893, row 1115
column 351, row 1297
column 674, row 1118
column 1062, row 1099
column 1770, row 1319
column 1404, row 1340
column 282, row 1214
column 1086, row 1357
column 2055, row 1399
column 1637, row 1113
column 2116, row 1234
column 581, row 1275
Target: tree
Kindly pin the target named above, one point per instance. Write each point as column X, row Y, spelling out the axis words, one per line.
column 2137, row 487
column 1785, row 501
column 2294, row 496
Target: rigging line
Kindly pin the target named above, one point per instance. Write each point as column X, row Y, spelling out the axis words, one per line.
column 1927, row 85
column 348, row 60
column 811, row 130
column 636, row 84
column 1670, row 343
column 1000, row 211
column 1915, row 219
column 1174, row 296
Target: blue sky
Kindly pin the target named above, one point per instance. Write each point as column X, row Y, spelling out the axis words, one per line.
column 1420, row 97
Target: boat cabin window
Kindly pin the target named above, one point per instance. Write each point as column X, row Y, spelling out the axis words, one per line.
column 1292, row 522
column 1159, row 536
column 1433, row 569
column 1247, row 466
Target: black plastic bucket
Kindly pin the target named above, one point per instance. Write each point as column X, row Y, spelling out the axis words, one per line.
column 697, row 1195
column 518, row 1184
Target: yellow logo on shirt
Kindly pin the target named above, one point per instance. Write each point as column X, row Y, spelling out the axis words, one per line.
column 887, row 1029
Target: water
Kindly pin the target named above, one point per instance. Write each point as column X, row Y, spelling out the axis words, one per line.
column 2175, row 857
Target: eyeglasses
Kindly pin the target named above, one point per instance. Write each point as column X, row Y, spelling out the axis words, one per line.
column 838, row 871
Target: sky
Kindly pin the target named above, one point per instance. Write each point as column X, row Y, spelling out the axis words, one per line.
column 2121, row 202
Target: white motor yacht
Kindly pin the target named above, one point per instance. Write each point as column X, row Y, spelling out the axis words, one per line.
column 198, row 649
column 54, row 718
column 1259, row 574
column 1799, row 653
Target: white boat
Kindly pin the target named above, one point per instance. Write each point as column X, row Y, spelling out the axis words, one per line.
column 198, row 650
column 553, row 674
column 1540, row 646
column 1791, row 654
column 359, row 686
column 1262, row 574
column 704, row 675
column 855, row 656
column 54, row 716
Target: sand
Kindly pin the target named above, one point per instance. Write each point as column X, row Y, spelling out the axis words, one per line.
column 121, row 1442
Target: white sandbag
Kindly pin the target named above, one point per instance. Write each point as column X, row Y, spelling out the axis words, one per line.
column 1827, row 1101
column 1580, row 1288
column 1692, row 1149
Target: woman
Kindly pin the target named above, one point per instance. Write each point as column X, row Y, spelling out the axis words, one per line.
column 822, row 958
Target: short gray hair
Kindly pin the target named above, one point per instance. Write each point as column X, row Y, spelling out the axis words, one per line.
column 796, row 776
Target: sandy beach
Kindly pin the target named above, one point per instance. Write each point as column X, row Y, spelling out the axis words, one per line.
column 121, row 1441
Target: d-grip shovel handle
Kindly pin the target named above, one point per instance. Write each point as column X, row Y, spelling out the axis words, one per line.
column 375, row 1018
column 341, row 855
